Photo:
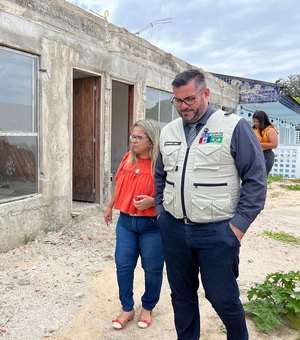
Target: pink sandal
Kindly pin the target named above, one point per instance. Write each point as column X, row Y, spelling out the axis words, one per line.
column 142, row 323
column 117, row 324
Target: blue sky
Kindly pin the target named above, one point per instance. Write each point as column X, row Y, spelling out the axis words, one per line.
column 247, row 38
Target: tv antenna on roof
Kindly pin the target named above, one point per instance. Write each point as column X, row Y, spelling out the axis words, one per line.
column 153, row 23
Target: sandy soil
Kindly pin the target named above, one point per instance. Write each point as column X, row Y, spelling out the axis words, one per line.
column 63, row 285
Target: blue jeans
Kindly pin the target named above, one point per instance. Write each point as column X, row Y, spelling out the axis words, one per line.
column 213, row 249
column 269, row 160
column 138, row 236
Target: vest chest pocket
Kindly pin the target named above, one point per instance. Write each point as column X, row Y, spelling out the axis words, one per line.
column 170, row 156
column 207, row 156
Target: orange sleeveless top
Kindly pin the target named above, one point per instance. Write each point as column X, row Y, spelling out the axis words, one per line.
column 131, row 181
column 264, row 138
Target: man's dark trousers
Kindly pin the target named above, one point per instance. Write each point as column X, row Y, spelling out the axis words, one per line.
column 214, row 249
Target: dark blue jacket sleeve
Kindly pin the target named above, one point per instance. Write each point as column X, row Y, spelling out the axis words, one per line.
column 160, row 182
column 250, row 164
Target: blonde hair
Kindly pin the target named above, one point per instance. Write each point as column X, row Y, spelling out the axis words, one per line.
column 152, row 130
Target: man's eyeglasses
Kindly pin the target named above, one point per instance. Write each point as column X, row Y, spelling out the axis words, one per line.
column 187, row 101
column 138, row 138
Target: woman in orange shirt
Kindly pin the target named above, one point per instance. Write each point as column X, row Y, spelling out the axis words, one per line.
column 267, row 135
column 137, row 233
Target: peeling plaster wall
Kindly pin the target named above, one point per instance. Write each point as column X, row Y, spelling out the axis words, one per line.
column 66, row 37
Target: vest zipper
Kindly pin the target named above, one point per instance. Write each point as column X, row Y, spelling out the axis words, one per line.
column 182, row 182
column 210, row 184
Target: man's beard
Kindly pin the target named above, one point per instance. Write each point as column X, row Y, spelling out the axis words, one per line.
column 194, row 119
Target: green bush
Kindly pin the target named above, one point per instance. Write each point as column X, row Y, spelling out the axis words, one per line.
column 274, row 300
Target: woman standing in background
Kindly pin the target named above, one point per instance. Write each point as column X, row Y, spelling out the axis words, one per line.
column 267, row 135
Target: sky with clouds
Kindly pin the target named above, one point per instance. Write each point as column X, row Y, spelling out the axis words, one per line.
column 246, row 38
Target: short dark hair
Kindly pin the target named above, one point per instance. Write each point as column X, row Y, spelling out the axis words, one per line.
column 183, row 78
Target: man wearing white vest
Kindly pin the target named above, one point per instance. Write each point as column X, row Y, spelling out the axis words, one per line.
column 210, row 183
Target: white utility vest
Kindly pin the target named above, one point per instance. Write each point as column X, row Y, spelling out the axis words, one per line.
column 202, row 182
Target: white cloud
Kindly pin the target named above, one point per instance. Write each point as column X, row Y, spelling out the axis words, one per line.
column 249, row 38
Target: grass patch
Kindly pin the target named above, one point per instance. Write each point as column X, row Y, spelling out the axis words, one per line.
column 295, row 187
column 222, row 328
column 277, row 178
column 282, row 236
column 28, row 238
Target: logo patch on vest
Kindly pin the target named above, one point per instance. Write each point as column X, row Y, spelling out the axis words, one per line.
column 211, row 137
column 172, row 143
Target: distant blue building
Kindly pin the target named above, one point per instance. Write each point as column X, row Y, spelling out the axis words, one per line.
column 284, row 113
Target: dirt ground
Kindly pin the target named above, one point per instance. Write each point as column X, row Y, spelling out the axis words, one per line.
column 63, row 285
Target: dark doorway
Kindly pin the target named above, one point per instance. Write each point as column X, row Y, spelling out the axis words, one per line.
column 86, row 137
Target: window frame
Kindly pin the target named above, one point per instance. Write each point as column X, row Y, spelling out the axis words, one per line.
column 159, row 95
column 35, row 112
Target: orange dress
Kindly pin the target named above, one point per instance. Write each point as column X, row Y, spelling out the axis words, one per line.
column 131, row 181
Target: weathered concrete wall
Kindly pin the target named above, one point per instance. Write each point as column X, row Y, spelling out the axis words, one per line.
column 66, row 37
